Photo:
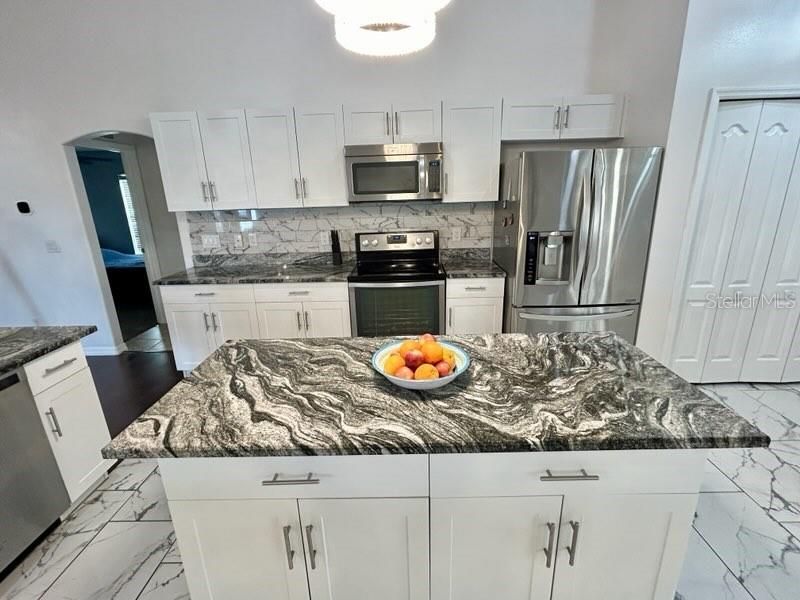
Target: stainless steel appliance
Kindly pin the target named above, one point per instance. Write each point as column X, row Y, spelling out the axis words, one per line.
column 572, row 230
column 32, row 493
column 397, row 285
column 380, row 173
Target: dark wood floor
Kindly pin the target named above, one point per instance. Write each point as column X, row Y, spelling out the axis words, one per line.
column 128, row 384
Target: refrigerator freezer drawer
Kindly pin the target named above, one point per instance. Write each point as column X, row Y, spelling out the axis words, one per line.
column 621, row 319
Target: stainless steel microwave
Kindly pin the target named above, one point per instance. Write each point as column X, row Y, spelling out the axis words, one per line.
column 389, row 172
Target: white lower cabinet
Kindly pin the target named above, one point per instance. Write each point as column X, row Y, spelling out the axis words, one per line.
column 280, row 319
column 493, row 547
column 475, row 305
column 327, row 319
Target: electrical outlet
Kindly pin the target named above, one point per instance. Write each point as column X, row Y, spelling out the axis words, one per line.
column 209, row 240
column 238, row 241
column 455, row 234
column 252, row 240
column 52, row 246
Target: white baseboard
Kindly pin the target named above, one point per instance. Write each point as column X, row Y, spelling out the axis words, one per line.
column 105, row 350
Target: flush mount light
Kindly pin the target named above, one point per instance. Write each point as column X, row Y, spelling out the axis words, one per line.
column 384, row 27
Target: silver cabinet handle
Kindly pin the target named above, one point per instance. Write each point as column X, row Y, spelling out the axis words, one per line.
column 303, row 185
column 450, row 317
column 276, row 480
column 56, row 428
column 296, row 189
column 584, row 476
column 551, row 539
column 476, row 288
column 214, row 321
column 557, row 117
column 212, row 187
column 205, row 320
column 396, row 123
column 201, row 294
column 288, row 544
column 66, row 363
column 299, row 293
column 312, row 553
column 573, row 547
column 445, row 183
column 566, row 117
column 205, row 191
column 299, row 325
column 388, row 131
column 305, row 319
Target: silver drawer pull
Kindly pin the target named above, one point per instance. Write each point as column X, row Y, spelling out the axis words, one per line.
column 309, row 480
column 312, row 552
column 551, row 538
column 584, row 476
column 201, row 294
column 300, row 293
column 481, row 288
column 288, row 544
column 66, row 363
column 573, row 547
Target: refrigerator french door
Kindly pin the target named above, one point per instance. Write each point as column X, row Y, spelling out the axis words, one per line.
column 573, row 232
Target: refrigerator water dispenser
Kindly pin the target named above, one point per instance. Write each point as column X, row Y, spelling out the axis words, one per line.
column 548, row 258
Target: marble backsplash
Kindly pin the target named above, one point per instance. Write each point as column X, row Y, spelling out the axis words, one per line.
column 307, row 230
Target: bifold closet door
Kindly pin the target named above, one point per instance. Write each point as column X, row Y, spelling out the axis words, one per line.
column 760, row 209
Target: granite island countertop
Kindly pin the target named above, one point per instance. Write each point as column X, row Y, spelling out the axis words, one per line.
column 20, row 345
column 549, row 392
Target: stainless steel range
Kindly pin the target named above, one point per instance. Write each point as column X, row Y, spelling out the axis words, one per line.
column 397, row 285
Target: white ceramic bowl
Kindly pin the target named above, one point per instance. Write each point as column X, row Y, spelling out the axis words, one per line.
column 380, row 355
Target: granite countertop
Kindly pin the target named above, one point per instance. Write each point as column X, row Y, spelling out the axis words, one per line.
column 262, row 268
column 559, row 391
column 471, row 263
column 20, row 345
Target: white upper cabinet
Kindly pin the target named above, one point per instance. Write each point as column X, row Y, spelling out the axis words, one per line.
column 398, row 123
column 320, row 142
column 273, row 148
column 227, row 152
column 563, row 117
column 180, row 158
column 471, row 134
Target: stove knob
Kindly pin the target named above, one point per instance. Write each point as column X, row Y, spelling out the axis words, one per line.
column 419, row 241
column 374, row 242
column 365, row 243
column 428, row 240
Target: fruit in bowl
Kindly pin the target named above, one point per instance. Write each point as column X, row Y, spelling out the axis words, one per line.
column 422, row 363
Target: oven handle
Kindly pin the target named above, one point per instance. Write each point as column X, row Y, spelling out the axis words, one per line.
column 397, row 284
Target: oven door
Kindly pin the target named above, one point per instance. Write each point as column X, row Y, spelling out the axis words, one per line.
column 390, row 178
column 401, row 308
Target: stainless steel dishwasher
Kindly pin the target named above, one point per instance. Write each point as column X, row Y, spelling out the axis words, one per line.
column 32, row 493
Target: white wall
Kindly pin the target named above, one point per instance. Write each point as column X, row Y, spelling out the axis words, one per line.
column 72, row 68
column 727, row 43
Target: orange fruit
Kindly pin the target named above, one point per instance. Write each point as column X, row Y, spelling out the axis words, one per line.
column 449, row 358
column 408, row 345
column 426, row 371
column 392, row 363
column 432, row 351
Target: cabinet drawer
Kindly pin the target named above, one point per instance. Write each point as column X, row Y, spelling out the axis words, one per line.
column 299, row 292
column 49, row 369
column 333, row 477
column 526, row 473
column 206, row 293
column 489, row 287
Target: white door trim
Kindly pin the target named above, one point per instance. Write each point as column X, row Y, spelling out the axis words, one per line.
column 716, row 95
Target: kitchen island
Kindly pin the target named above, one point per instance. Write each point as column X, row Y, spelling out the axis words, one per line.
column 559, row 465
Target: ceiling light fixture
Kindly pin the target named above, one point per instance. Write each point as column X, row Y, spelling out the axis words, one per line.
column 384, row 27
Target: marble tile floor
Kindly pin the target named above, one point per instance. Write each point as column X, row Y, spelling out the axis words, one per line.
column 745, row 543
column 155, row 339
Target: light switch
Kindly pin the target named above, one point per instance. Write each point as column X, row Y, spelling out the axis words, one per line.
column 238, row 241
column 209, row 240
column 252, row 240
column 455, row 234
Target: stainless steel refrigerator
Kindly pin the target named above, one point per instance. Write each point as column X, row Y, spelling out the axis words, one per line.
column 572, row 231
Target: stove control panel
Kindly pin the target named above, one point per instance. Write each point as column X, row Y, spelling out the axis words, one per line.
column 401, row 240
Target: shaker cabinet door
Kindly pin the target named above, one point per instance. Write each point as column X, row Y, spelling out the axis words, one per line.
column 361, row 549
column 320, row 142
column 417, row 123
column 190, row 333
column 650, row 531
column 474, row 315
column 233, row 321
column 181, row 161
column 280, row 320
column 273, row 148
column 241, row 548
column 493, row 547
column 370, row 124
column 532, row 118
column 327, row 319
column 592, row 116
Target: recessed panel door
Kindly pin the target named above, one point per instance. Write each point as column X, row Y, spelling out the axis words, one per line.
column 273, row 148
column 280, row 320
column 181, row 160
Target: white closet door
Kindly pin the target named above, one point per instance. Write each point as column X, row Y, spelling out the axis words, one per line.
column 273, row 147
column 227, row 152
column 759, row 212
column 792, row 370
column 716, row 220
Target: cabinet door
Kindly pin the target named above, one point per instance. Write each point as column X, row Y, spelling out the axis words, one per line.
column 190, row 333
column 472, row 151
column 415, row 123
column 241, row 548
column 228, row 163
column 181, row 161
column 327, row 319
column 233, row 321
column 593, row 116
column 649, row 530
column 765, row 189
column 474, row 315
column 532, row 118
column 280, row 320
column 367, row 124
column 320, row 142
column 273, row 148
column 493, row 547
column 366, row 548
column 72, row 415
